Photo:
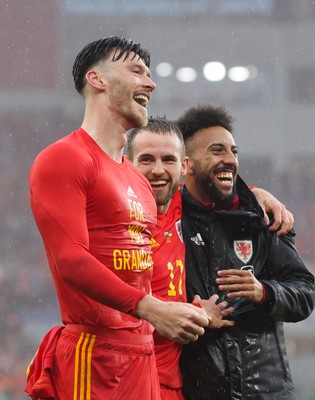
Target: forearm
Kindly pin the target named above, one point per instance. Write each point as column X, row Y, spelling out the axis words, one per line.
column 289, row 301
column 69, row 257
column 98, row 282
column 290, row 286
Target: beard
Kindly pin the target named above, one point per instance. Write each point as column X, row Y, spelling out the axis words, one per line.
column 209, row 188
column 121, row 99
column 164, row 198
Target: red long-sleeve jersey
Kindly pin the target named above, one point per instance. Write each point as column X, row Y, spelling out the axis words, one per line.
column 96, row 218
column 168, row 283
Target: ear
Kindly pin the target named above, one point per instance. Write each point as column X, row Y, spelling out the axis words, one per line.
column 184, row 166
column 96, row 79
column 190, row 166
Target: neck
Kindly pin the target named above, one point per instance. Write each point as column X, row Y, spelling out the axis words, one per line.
column 195, row 192
column 163, row 208
column 231, row 204
column 108, row 133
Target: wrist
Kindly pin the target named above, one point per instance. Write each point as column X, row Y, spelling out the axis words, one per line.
column 264, row 294
column 146, row 307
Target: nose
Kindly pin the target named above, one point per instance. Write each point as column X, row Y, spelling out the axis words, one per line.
column 149, row 83
column 158, row 168
column 231, row 158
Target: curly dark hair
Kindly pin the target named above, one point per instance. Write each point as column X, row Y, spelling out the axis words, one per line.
column 158, row 125
column 99, row 50
column 202, row 117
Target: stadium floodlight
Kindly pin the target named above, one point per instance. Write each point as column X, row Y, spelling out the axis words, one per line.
column 214, row 71
column 239, row 74
column 186, row 74
column 164, row 69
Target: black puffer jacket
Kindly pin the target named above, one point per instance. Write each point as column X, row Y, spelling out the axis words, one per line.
column 249, row 360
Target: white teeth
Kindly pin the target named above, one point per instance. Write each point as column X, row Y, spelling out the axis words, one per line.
column 225, row 175
column 158, row 183
column 142, row 100
column 141, row 96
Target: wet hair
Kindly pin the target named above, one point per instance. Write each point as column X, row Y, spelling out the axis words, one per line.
column 158, row 125
column 99, row 50
column 202, row 117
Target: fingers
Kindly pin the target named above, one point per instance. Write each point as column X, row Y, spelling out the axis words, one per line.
column 229, row 275
column 291, row 217
column 200, row 319
column 266, row 218
column 180, row 322
column 191, row 335
column 277, row 219
column 214, row 298
column 238, row 283
column 194, row 338
column 283, row 220
column 287, row 223
column 227, row 312
column 222, row 305
column 226, row 323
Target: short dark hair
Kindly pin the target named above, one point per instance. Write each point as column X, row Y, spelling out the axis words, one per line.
column 99, row 50
column 202, row 117
column 158, row 125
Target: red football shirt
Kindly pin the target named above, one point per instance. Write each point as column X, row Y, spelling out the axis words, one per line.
column 96, row 218
column 168, row 283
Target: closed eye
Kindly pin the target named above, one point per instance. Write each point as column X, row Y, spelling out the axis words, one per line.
column 169, row 160
column 145, row 160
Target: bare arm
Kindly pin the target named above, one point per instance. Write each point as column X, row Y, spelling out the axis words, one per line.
column 283, row 218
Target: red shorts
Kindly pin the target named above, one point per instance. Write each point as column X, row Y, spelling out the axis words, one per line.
column 93, row 364
column 171, row 394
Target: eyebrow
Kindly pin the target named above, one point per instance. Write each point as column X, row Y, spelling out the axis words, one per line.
column 234, row 147
column 145, row 155
column 152, row 155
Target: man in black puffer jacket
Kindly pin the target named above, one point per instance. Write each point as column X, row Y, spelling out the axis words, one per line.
column 231, row 252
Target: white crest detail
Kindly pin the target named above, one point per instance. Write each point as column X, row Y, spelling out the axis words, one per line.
column 243, row 249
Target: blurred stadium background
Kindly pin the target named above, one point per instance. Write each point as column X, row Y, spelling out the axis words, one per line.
column 257, row 57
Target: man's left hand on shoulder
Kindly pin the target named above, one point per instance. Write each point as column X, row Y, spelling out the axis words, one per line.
column 283, row 219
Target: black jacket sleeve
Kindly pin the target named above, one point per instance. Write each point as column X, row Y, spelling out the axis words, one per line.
column 289, row 286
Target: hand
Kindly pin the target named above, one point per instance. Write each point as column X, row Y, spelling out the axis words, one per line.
column 283, row 218
column 180, row 322
column 216, row 312
column 240, row 283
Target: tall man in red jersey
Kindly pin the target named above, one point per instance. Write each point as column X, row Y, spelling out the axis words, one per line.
column 158, row 151
column 96, row 214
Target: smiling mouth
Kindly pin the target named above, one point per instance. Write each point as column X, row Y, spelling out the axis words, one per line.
column 225, row 177
column 158, row 184
column 142, row 100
